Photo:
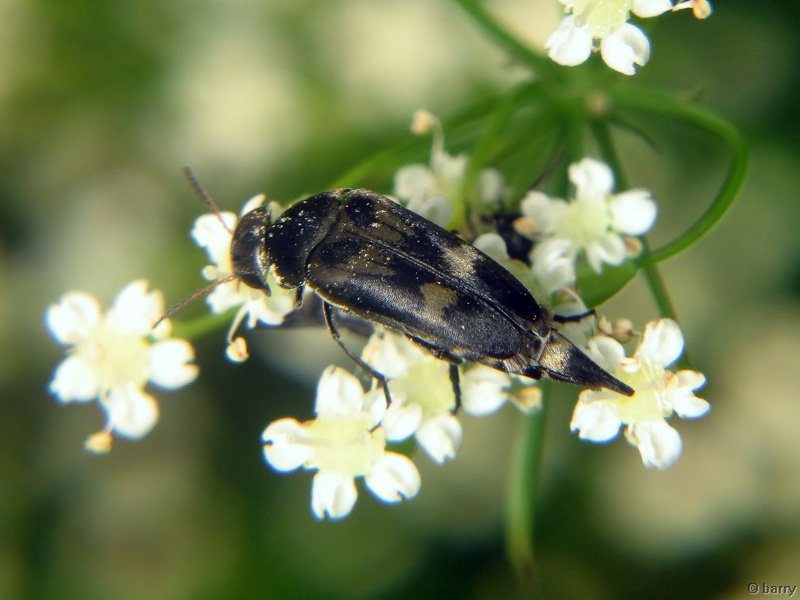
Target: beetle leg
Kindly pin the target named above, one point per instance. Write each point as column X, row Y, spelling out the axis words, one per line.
column 575, row 318
column 455, row 379
column 298, row 297
column 327, row 310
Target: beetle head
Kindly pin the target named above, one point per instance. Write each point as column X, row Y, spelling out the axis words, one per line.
column 249, row 257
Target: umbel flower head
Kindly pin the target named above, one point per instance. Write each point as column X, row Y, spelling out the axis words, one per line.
column 599, row 415
column 430, row 190
column 344, row 442
column 592, row 25
column 595, row 223
column 422, row 395
column 113, row 356
column 214, row 233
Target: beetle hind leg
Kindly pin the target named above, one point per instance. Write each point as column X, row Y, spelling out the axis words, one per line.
column 327, row 310
column 455, row 379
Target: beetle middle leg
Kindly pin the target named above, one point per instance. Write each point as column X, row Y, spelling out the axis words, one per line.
column 455, row 376
column 575, row 318
column 327, row 310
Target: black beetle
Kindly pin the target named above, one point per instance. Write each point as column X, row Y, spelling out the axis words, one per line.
column 370, row 257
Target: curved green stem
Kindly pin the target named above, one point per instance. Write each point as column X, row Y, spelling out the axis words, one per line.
column 715, row 125
column 542, row 65
column 523, row 485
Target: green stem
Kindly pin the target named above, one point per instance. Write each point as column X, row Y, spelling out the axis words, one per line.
column 364, row 169
column 715, row 125
column 523, row 485
column 200, row 327
column 543, row 66
column 482, row 151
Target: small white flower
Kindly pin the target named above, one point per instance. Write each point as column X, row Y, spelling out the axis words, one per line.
column 422, row 394
column 430, row 190
column 599, row 415
column 484, row 390
column 592, row 25
column 214, row 233
column 113, row 356
column 594, row 223
column 342, row 443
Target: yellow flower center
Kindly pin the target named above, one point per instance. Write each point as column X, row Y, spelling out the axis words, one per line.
column 117, row 358
column 425, row 385
column 584, row 223
column 345, row 444
column 644, row 405
column 601, row 16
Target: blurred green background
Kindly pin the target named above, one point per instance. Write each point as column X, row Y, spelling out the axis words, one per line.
column 101, row 103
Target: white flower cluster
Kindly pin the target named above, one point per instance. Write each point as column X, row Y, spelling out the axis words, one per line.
column 599, row 415
column 113, row 356
column 595, row 223
column 431, row 190
column 349, row 437
column 602, row 25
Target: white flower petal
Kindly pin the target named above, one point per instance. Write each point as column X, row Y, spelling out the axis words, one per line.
column 394, row 478
column 255, row 202
column 447, row 168
column 689, row 406
column 285, row 445
column 490, row 186
column 73, row 318
column 633, row 212
column 413, row 182
column 569, row 45
column 595, row 421
column 659, row 444
column 593, row 180
column 225, row 296
column 401, row 421
column 339, row 393
column 625, row 46
column 374, row 405
column 135, row 311
column 609, row 249
column 493, row 245
column 435, row 208
column 440, row 437
column 650, row 8
column 606, row 352
column 333, row 495
column 75, row 379
column 211, row 234
column 169, row 366
column 483, row 390
column 662, row 343
column 553, row 264
column 545, row 211
column 131, row 412
column 681, row 398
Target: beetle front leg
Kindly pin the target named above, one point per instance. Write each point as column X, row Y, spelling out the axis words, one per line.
column 327, row 310
column 455, row 379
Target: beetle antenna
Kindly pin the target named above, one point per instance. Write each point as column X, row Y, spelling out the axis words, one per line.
column 203, row 291
column 203, row 196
